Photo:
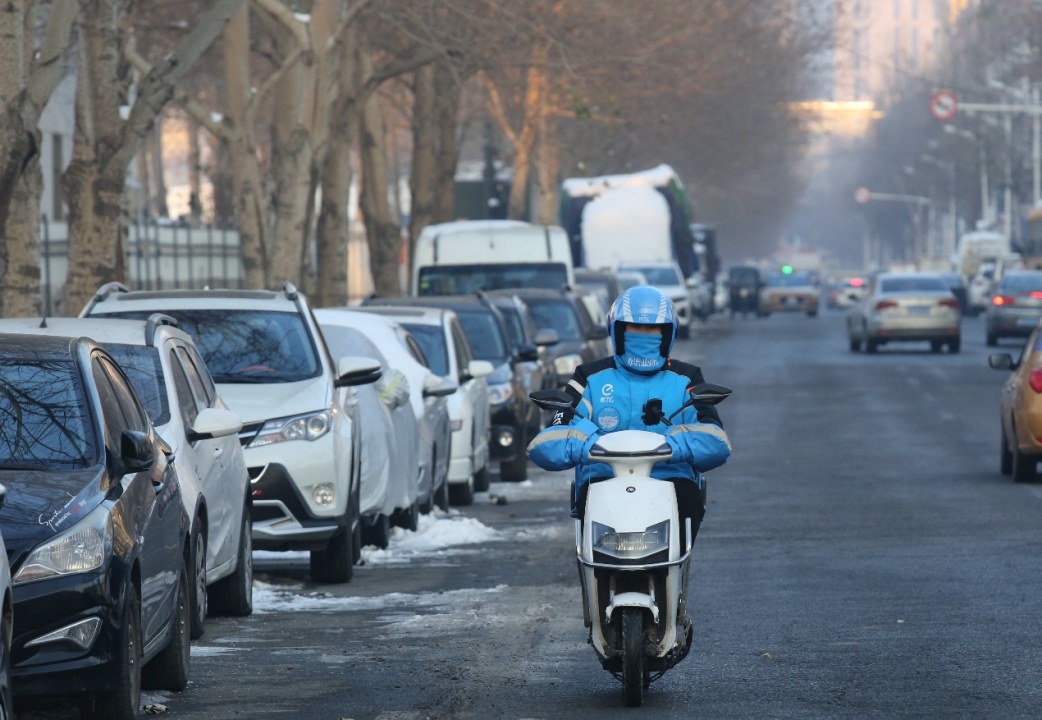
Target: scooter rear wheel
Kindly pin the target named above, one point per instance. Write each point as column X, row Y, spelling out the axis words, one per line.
column 634, row 664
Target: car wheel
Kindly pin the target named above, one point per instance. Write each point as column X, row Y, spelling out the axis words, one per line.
column 1005, row 457
column 481, row 480
column 442, row 499
column 379, row 533
column 1023, row 467
column 461, row 493
column 955, row 345
column 855, row 344
column 197, row 581
column 336, row 563
column 871, row 345
column 169, row 669
column 233, row 595
column 936, row 346
column 407, row 518
column 122, row 700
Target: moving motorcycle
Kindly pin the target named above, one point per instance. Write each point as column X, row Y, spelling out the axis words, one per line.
column 633, row 556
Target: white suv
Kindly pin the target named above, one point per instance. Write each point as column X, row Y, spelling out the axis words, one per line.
column 272, row 367
column 176, row 390
column 667, row 277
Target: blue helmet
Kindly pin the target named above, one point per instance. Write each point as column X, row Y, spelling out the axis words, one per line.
column 643, row 305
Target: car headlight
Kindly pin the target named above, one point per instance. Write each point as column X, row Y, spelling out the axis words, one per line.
column 84, row 547
column 300, row 427
column 566, row 364
column 631, row 546
column 500, row 393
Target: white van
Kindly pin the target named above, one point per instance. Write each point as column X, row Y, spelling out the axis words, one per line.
column 459, row 258
column 979, row 247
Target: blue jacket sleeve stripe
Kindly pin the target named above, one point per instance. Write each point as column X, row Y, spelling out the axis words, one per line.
column 705, row 428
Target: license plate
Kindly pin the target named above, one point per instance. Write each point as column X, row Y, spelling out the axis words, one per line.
column 918, row 310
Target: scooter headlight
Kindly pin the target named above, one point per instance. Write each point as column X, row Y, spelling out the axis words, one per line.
column 631, row 546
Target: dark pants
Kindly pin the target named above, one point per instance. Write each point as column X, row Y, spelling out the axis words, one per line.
column 691, row 503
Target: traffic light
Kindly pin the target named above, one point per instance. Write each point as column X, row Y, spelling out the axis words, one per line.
column 786, row 269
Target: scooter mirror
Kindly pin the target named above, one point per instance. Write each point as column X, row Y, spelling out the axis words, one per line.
column 552, row 399
column 709, row 393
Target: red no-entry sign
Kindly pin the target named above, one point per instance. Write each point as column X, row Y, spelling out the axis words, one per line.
column 943, row 105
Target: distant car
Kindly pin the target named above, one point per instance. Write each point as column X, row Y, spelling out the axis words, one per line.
column 981, row 287
column 440, row 335
column 175, row 387
column 667, row 277
column 903, row 307
column 1020, row 410
column 580, row 340
column 629, row 278
column 427, row 392
column 1016, row 306
column 272, row 367
column 954, row 282
column 721, row 295
column 846, row 291
column 536, row 368
column 745, row 283
column 94, row 529
column 790, row 292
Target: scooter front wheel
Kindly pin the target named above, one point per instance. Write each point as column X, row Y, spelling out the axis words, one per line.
column 634, row 663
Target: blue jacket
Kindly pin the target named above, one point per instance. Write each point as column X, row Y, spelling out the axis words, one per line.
column 608, row 399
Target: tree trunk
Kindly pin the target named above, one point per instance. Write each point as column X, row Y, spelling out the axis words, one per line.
column 195, row 200
column 382, row 231
column 423, row 177
column 447, row 90
column 158, row 179
column 21, row 288
column 144, row 210
column 95, row 211
column 333, row 226
column 547, row 153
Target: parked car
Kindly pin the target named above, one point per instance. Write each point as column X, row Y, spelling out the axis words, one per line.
column 721, row 294
column 94, row 529
column 6, row 627
column 580, row 340
column 390, row 457
column 790, row 292
column 445, row 346
column 272, row 367
column 629, row 278
column 700, row 292
column 905, row 307
column 514, row 418
column 1016, row 306
column 667, row 277
column 745, row 284
column 174, row 386
column 602, row 282
column 536, row 369
column 1020, row 410
column 427, row 392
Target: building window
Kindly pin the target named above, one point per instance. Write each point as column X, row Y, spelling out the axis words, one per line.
column 57, row 158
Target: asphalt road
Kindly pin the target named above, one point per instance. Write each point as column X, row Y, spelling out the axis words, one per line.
column 862, row 557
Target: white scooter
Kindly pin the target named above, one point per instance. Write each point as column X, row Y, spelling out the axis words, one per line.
column 633, row 557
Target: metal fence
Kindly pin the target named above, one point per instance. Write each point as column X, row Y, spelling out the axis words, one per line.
column 157, row 256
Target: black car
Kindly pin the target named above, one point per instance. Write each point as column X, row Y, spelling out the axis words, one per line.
column 94, row 529
column 745, row 283
column 537, row 369
column 581, row 340
column 514, row 420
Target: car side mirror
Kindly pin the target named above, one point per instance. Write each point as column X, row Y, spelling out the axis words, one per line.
column 546, row 337
column 597, row 332
column 527, row 352
column 355, row 370
column 434, row 386
column 214, row 423
column 3, row 495
column 137, row 452
column 1001, row 361
column 479, row 369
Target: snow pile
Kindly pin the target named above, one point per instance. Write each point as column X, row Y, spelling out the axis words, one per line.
column 437, row 535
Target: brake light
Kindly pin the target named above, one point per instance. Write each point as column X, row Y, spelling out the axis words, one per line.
column 1035, row 380
column 1003, row 300
column 952, row 303
column 1036, row 294
column 884, row 304
column 856, row 282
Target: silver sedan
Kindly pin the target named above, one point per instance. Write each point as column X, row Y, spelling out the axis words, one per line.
column 905, row 307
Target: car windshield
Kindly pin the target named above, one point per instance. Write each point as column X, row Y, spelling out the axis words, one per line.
column 660, row 275
column 557, row 315
column 912, row 284
column 486, row 339
column 247, row 346
column 792, row 280
column 344, row 341
column 1022, row 282
column 145, row 372
column 44, row 416
column 468, row 279
column 512, row 319
column 431, row 339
